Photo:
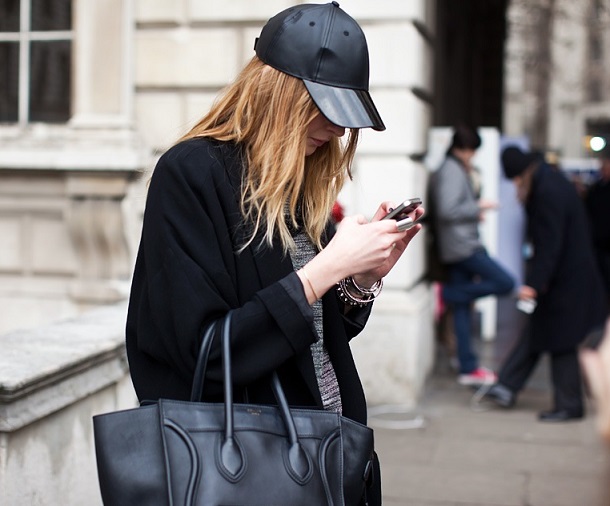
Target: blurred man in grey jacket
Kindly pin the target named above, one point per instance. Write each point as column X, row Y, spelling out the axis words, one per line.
column 471, row 273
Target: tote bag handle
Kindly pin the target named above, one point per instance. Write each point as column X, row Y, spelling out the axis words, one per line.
column 232, row 458
column 202, row 362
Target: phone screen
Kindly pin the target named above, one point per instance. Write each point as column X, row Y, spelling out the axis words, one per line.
column 403, row 210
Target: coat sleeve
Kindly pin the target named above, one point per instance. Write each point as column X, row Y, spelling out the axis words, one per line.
column 356, row 317
column 453, row 199
column 186, row 277
column 547, row 218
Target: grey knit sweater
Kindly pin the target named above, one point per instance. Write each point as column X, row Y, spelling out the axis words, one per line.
column 325, row 374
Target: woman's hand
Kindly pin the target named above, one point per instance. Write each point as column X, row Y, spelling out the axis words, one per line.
column 370, row 250
column 368, row 277
column 359, row 248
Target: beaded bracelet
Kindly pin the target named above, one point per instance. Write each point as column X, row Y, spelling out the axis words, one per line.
column 359, row 296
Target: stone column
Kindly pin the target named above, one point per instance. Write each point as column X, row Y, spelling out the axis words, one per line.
column 96, row 224
column 395, row 352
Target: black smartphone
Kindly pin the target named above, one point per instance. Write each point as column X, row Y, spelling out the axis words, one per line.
column 401, row 213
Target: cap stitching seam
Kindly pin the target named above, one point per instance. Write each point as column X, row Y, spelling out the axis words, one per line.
column 325, row 42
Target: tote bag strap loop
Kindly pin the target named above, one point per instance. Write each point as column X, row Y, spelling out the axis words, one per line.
column 299, row 462
column 231, row 456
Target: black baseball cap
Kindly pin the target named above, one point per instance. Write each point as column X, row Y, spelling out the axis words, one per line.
column 326, row 48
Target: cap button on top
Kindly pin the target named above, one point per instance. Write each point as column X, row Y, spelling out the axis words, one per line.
column 336, row 4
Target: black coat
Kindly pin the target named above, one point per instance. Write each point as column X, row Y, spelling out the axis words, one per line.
column 598, row 206
column 188, row 274
column 562, row 269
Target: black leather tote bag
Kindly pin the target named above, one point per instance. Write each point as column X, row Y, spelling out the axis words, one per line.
column 224, row 454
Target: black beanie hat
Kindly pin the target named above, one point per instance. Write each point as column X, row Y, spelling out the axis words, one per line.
column 516, row 161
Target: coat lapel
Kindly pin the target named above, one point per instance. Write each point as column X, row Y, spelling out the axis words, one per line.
column 271, row 266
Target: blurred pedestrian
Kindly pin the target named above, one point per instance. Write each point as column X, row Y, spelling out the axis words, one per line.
column 595, row 360
column 598, row 207
column 456, row 208
column 562, row 289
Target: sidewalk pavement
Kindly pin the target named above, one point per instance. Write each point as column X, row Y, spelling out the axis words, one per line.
column 461, row 457
column 454, row 455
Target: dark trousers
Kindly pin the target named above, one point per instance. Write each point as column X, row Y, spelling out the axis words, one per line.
column 470, row 279
column 565, row 373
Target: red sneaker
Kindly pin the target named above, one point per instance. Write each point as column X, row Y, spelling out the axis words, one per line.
column 480, row 376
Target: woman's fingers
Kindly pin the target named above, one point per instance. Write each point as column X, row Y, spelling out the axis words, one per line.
column 372, row 248
column 383, row 209
column 365, row 244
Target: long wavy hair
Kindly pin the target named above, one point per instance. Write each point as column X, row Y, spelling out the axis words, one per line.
column 267, row 112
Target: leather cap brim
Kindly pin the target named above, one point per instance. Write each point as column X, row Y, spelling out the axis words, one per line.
column 345, row 107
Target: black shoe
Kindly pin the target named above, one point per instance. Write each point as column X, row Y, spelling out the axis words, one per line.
column 501, row 395
column 560, row 415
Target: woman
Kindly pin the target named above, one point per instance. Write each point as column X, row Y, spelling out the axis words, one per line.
column 238, row 217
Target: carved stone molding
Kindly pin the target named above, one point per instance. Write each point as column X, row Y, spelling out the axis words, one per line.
column 97, row 228
column 65, row 244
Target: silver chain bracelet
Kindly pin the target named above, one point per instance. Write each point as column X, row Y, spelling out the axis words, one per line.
column 353, row 294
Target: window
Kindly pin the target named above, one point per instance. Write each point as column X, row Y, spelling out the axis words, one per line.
column 35, row 61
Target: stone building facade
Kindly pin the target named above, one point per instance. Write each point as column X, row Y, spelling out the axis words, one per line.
column 64, row 178
column 556, row 89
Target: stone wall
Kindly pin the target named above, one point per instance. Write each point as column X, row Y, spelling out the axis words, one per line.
column 64, row 242
column 577, row 87
column 53, row 379
column 63, row 187
column 395, row 352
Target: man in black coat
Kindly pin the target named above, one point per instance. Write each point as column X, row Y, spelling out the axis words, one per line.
column 562, row 287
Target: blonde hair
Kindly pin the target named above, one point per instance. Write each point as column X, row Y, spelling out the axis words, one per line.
column 268, row 112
